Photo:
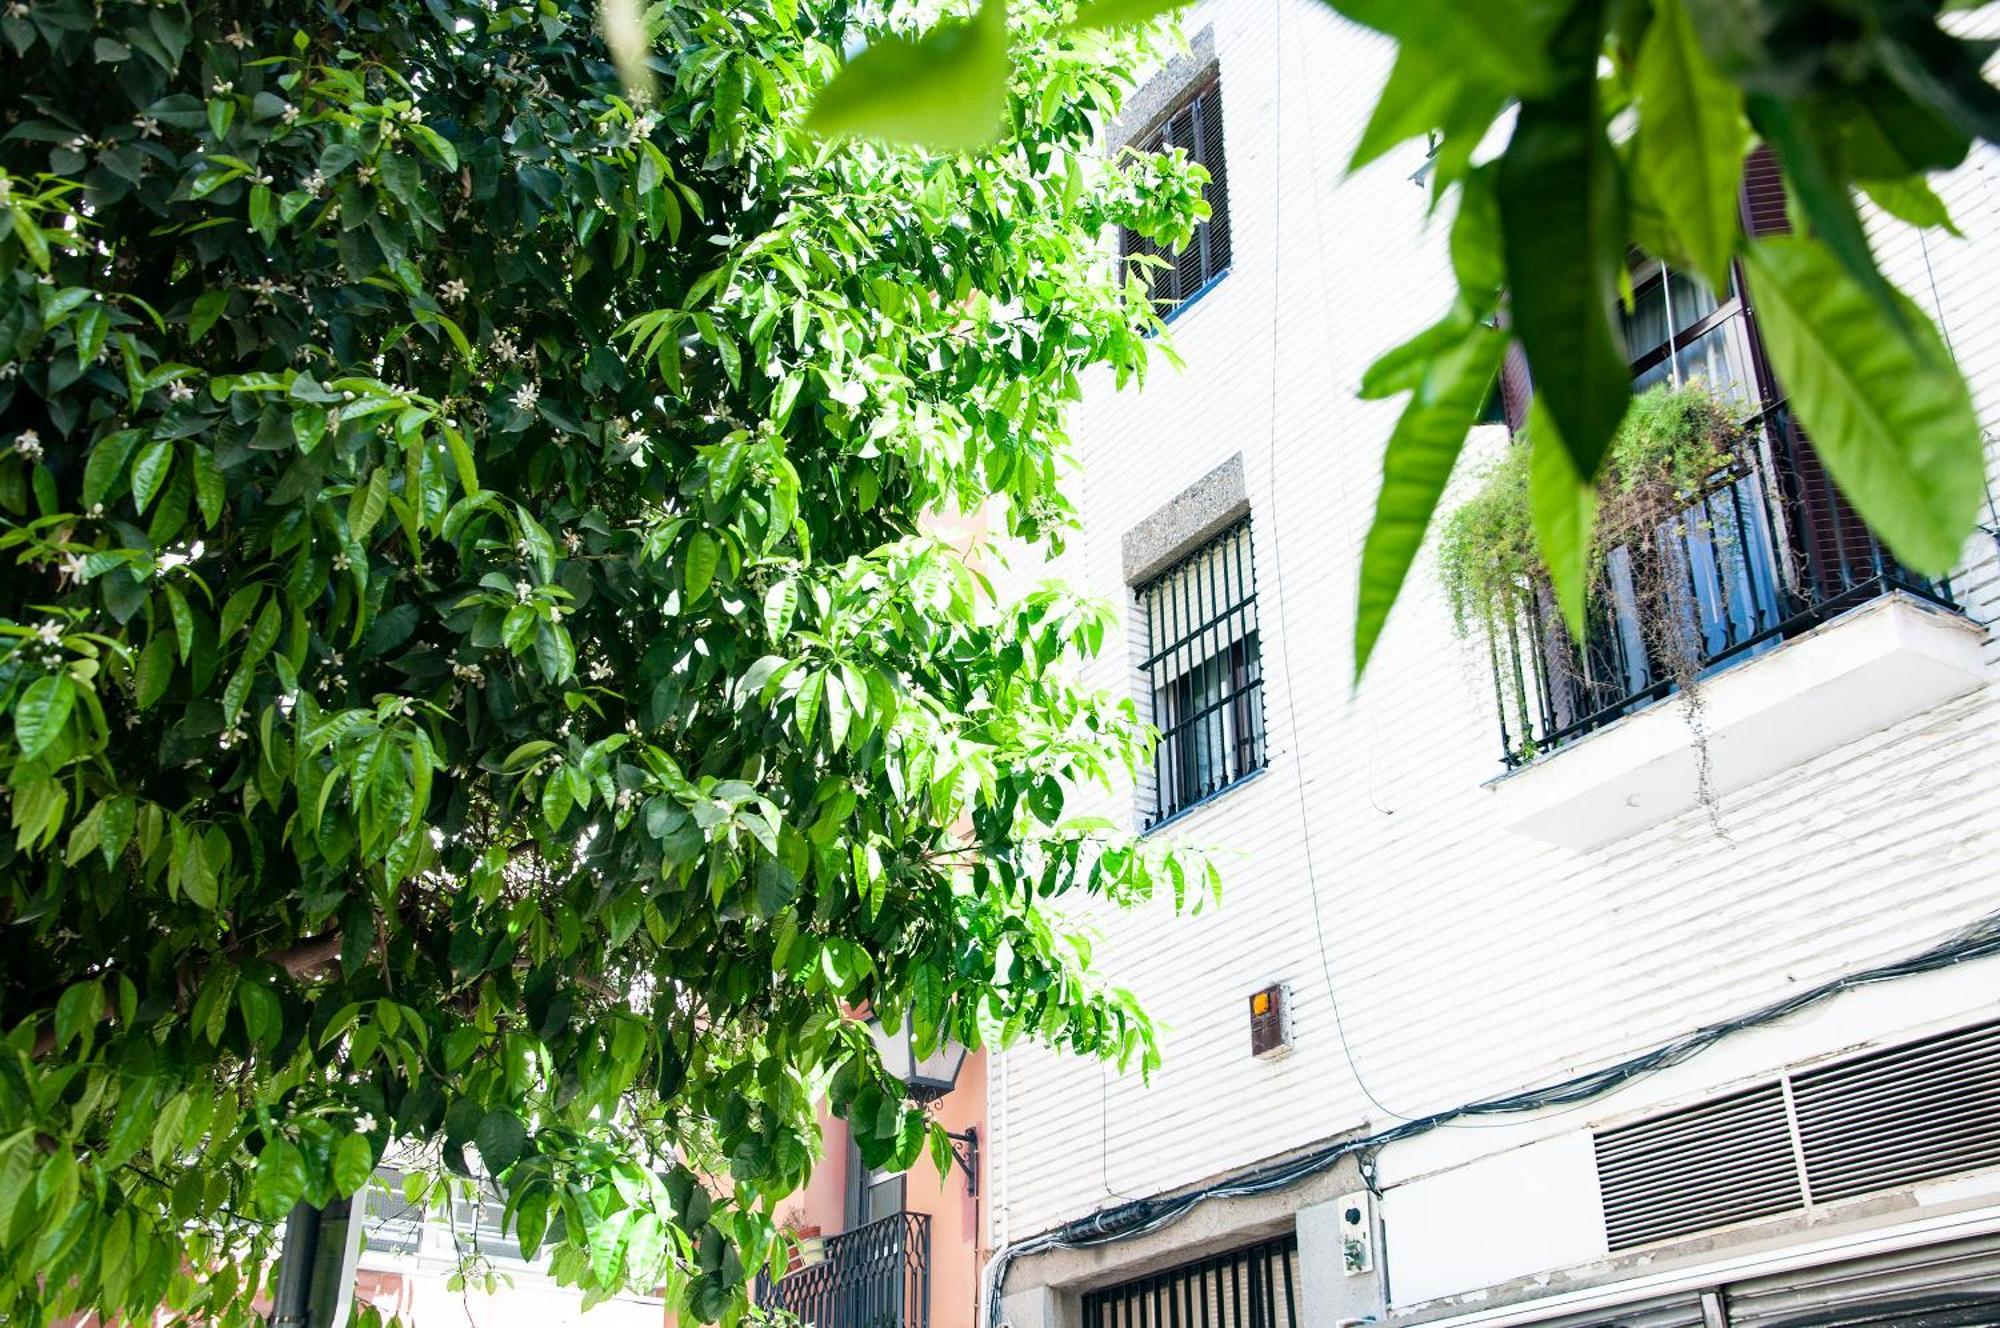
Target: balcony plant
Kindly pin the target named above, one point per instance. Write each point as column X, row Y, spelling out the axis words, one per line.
column 1672, row 446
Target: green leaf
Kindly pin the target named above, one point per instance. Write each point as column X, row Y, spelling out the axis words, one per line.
column 1912, row 200
column 1564, row 508
column 1692, row 139
column 208, row 307
column 281, row 1179
column 1503, row 48
column 702, row 556
column 1123, row 13
column 501, row 1138
column 945, row 90
column 1886, row 409
column 1415, row 467
column 77, row 1012
column 106, row 465
column 1815, row 182
column 42, row 713
column 781, row 601
column 1562, row 216
column 149, row 472
column 353, row 1163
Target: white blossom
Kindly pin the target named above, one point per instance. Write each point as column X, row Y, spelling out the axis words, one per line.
column 290, row 115
column 29, row 444
column 365, row 1123
column 147, row 126
column 526, row 397
column 223, row 87
column 453, row 291
column 179, row 391
column 238, row 37
column 49, row 632
column 231, row 736
column 523, row 591
column 364, row 174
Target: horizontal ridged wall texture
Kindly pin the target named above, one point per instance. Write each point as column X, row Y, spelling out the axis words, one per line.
column 1467, row 961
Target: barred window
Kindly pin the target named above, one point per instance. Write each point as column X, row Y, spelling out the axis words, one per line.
column 1196, row 129
column 1204, row 672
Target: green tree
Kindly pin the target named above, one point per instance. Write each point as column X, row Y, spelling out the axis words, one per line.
column 1627, row 122
column 476, row 673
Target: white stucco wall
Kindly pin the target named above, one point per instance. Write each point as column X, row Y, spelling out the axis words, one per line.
column 1368, row 862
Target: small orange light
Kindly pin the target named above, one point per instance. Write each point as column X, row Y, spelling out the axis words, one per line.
column 1260, row 1003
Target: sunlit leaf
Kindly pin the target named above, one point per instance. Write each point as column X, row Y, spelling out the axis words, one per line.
column 1692, row 139
column 1885, row 408
column 1415, row 467
column 945, row 90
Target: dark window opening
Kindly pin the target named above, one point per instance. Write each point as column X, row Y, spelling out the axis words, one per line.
column 1196, row 129
column 1251, row 1288
column 1204, row 672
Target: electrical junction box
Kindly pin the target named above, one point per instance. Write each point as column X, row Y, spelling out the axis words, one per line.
column 1357, row 1234
column 1271, row 1022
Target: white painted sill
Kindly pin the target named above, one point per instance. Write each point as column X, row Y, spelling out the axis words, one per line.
column 1881, row 662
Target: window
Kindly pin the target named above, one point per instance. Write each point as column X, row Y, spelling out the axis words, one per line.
column 873, row 1193
column 1252, row 1288
column 1203, row 672
column 1196, row 129
column 1678, row 331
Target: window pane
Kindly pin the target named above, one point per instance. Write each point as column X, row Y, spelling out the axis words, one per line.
column 1716, row 358
column 1692, row 300
column 1646, row 324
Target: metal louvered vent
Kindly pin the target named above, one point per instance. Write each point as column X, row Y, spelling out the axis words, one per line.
column 1889, row 1118
column 1724, row 1161
column 1927, row 1109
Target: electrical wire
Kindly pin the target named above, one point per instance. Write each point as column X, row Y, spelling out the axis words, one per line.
column 1145, row 1216
column 1277, row 570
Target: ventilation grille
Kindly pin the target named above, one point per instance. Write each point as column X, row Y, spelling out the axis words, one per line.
column 1928, row 1109
column 1724, row 1161
column 1890, row 1118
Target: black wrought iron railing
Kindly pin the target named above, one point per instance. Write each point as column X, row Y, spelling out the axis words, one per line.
column 1767, row 550
column 877, row 1276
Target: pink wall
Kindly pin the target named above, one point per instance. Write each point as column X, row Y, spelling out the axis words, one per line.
column 956, row 1252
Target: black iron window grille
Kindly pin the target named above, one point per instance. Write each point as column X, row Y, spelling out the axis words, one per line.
column 1204, row 672
column 1195, row 128
column 1767, row 550
column 876, row 1276
column 1251, row 1288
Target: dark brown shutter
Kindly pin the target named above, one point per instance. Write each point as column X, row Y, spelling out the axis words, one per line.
column 1764, row 195
column 1215, row 159
column 1516, row 387
column 1831, row 538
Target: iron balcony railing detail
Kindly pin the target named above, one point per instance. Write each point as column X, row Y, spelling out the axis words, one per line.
column 1767, row 550
column 877, row 1276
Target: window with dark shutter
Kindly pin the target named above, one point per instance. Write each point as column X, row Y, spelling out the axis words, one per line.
column 1195, row 127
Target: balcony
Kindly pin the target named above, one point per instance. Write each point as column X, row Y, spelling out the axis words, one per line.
column 877, row 1276
column 1797, row 628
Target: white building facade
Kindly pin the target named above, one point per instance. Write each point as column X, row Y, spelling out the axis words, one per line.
column 1725, row 1007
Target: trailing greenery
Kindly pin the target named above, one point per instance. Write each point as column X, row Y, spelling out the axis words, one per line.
column 1853, row 96
column 1668, row 447
column 476, row 672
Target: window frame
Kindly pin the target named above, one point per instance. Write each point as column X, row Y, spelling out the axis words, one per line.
column 1209, row 635
column 1204, row 95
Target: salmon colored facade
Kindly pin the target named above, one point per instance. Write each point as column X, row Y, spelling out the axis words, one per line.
column 954, row 1206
